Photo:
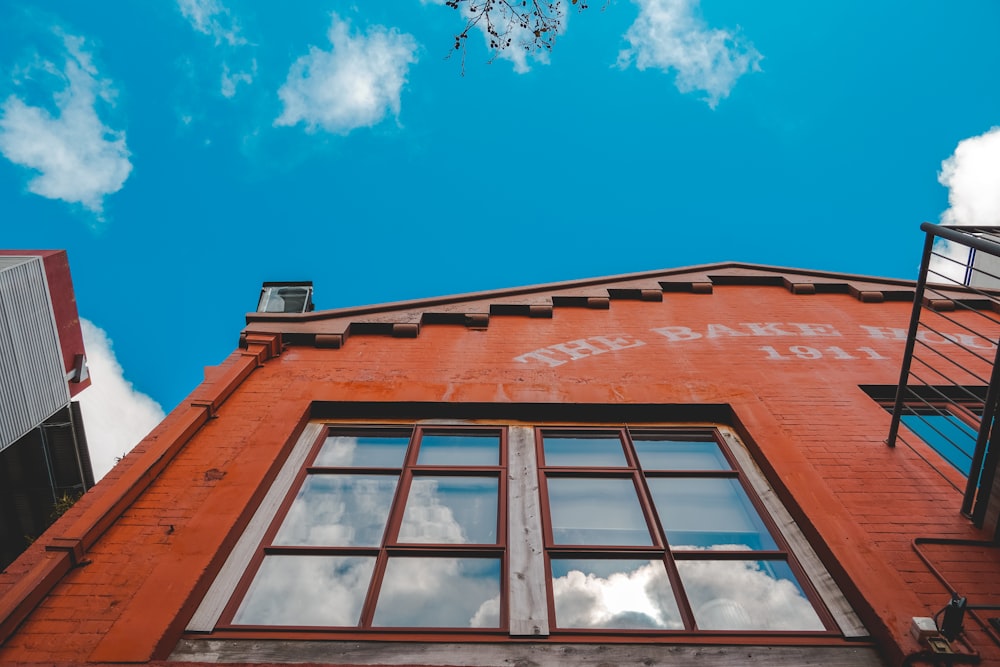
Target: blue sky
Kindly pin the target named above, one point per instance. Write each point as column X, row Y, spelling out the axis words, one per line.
column 184, row 151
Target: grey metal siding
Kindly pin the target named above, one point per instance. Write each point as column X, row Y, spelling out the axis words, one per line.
column 32, row 378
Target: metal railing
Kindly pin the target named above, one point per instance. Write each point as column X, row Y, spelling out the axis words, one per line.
column 949, row 382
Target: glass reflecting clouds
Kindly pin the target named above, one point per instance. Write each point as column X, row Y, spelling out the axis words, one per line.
column 362, row 451
column 704, row 512
column 613, row 593
column 440, row 593
column 662, row 454
column 746, row 595
column 338, row 510
column 595, row 510
column 599, row 452
column 459, row 450
column 453, row 510
column 307, row 591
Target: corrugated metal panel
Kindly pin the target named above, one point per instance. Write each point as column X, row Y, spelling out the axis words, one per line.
column 6, row 261
column 32, row 380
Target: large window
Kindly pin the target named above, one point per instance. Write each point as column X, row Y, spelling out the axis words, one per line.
column 655, row 529
column 521, row 530
column 385, row 528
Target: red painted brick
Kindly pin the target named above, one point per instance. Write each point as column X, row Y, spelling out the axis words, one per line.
column 817, row 435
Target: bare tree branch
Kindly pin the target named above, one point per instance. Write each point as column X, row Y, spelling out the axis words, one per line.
column 531, row 25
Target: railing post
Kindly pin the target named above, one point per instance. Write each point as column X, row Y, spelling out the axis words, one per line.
column 987, row 434
column 911, row 339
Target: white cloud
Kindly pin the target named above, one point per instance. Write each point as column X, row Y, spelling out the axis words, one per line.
column 212, row 18
column 669, row 34
column 115, row 415
column 78, row 158
column 232, row 79
column 972, row 176
column 355, row 84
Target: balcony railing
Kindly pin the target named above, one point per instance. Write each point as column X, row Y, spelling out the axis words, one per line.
column 948, row 394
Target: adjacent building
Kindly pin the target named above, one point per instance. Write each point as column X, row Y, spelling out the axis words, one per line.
column 44, row 461
column 678, row 467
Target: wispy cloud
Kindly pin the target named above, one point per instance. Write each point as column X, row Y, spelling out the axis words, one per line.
column 355, row 84
column 972, row 176
column 671, row 35
column 115, row 415
column 232, row 79
column 78, row 158
column 212, row 18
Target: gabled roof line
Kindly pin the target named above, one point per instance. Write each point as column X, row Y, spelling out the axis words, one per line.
column 404, row 319
column 422, row 303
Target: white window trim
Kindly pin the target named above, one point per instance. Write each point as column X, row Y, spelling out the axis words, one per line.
column 210, row 610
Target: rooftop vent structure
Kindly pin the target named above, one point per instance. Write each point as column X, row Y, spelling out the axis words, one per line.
column 286, row 297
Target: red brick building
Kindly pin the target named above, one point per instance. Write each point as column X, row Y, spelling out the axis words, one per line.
column 675, row 467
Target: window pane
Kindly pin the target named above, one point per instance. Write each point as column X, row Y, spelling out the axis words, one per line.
column 338, row 510
column 596, row 511
column 664, row 454
column 440, row 593
column 363, row 451
column 708, row 513
column 605, row 593
column 746, row 595
column 459, row 450
column 307, row 591
column 598, row 452
column 948, row 435
column 455, row 510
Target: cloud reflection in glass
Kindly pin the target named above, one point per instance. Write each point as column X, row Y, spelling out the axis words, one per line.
column 452, row 510
column 433, row 592
column 613, row 593
column 307, row 591
column 338, row 510
column 724, row 595
column 746, row 595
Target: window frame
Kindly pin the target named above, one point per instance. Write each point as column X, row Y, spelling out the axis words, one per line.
column 660, row 548
column 390, row 545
